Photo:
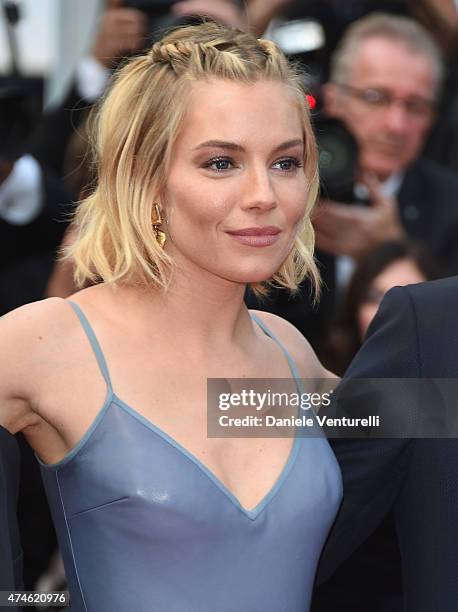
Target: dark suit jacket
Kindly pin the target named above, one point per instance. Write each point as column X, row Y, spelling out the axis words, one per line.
column 428, row 203
column 414, row 335
column 10, row 548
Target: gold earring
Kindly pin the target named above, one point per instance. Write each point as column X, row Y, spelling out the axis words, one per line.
column 159, row 233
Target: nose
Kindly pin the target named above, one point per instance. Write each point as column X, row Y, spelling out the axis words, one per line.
column 397, row 118
column 258, row 193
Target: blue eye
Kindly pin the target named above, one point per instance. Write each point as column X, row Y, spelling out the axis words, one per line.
column 219, row 164
column 292, row 161
column 222, row 164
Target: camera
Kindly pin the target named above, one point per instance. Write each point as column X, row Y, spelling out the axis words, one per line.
column 303, row 40
column 337, row 158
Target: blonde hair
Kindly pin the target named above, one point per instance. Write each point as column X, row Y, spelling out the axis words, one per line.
column 399, row 29
column 136, row 126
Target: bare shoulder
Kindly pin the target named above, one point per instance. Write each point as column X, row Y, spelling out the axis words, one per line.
column 26, row 337
column 295, row 343
column 26, row 322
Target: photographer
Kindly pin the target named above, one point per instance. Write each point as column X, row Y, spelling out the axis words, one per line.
column 385, row 82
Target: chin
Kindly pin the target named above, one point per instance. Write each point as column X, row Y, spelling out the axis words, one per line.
column 253, row 276
column 383, row 168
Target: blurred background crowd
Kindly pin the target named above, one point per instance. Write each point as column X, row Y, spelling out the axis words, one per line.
column 382, row 85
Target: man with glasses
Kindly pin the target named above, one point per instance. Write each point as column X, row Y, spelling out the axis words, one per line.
column 385, row 83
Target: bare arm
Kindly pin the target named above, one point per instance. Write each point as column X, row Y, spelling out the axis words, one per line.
column 19, row 350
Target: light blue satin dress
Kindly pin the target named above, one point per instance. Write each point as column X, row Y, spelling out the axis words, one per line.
column 144, row 526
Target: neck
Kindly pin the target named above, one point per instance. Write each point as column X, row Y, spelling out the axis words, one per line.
column 198, row 311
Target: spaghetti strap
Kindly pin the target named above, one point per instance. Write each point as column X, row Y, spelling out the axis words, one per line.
column 94, row 343
column 291, row 363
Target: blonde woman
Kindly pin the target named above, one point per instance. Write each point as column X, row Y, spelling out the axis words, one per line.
column 207, row 174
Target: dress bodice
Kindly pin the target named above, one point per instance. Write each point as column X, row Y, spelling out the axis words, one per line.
column 143, row 525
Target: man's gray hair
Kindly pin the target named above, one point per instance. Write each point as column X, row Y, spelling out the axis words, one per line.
column 402, row 30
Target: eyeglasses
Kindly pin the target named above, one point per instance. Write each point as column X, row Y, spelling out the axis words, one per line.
column 380, row 99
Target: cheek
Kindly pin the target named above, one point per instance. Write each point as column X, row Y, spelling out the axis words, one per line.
column 197, row 203
column 293, row 198
column 295, row 210
column 360, row 124
column 416, row 136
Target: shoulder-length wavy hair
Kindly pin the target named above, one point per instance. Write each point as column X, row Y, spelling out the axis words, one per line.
column 135, row 127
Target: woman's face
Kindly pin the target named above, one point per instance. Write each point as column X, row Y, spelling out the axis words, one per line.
column 236, row 190
column 400, row 273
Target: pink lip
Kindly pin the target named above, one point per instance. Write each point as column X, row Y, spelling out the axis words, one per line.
column 269, row 230
column 256, row 236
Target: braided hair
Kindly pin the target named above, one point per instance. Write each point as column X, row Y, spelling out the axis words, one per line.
column 135, row 127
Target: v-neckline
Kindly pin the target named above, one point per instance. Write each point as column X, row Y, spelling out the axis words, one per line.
column 113, row 398
column 264, row 501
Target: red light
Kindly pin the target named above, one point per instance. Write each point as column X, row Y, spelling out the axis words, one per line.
column 311, row 101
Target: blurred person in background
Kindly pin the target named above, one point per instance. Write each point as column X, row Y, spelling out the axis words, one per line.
column 439, row 17
column 389, row 265
column 386, row 77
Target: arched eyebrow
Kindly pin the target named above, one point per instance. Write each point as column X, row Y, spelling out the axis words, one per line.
column 233, row 146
